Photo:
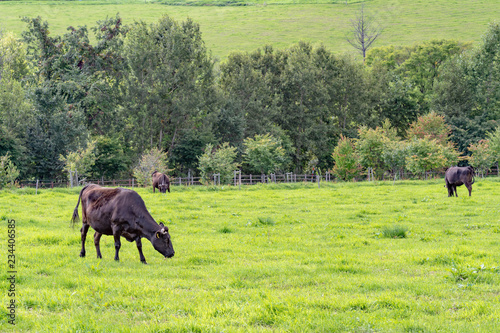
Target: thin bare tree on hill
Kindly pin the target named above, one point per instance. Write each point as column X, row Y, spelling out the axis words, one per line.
column 364, row 31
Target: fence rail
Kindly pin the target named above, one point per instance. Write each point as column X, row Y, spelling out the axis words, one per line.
column 237, row 180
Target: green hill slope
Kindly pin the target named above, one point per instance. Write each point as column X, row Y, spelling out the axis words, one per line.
column 245, row 28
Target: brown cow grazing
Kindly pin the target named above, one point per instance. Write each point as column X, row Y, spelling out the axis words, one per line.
column 120, row 212
column 160, row 182
column 456, row 176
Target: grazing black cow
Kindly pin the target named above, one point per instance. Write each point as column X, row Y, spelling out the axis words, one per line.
column 160, row 182
column 456, row 176
column 120, row 212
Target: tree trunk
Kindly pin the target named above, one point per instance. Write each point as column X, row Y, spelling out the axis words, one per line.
column 161, row 138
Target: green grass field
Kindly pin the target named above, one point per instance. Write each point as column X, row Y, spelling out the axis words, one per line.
column 348, row 257
column 279, row 23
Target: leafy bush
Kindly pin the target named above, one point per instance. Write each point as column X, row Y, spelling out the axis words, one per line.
column 8, row 171
column 482, row 158
column 394, row 156
column 346, row 165
column 494, row 138
column 111, row 159
column 430, row 126
column 217, row 161
column 79, row 163
column 264, row 153
column 151, row 161
column 427, row 155
column 370, row 147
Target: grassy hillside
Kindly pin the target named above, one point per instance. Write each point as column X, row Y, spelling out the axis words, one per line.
column 279, row 23
column 266, row 258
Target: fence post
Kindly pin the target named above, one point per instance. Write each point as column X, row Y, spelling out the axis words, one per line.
column 318, row 178
column 217, row 179
column 36, row 191
column 237, row 172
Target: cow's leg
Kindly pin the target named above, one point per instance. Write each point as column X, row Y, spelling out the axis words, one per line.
column 455, row 189
column 450, row 191
column 469, row 187
column 84, row 230
column 118, row 244
column 97, row 238
column 139, row 247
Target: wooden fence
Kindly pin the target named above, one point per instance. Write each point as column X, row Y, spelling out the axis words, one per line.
column 237, row 180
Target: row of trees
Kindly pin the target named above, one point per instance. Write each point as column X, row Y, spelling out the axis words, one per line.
column 149, row 86
column 425, row 148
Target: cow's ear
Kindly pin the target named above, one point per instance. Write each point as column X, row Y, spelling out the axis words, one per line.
column 158, row 234
column 161, row 224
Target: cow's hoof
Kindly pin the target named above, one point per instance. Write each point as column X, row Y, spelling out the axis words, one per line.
column 144, row 262
column 82, row 254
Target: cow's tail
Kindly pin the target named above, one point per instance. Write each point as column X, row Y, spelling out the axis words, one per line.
column 473, row 175
column 75, row 218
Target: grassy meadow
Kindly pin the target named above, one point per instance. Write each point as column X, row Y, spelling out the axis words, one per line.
column 347, row 257
column 278, row 23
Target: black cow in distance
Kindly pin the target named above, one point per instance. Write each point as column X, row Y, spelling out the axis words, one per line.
column 457, row 176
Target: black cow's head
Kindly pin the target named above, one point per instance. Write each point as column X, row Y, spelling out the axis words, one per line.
column 162, row 243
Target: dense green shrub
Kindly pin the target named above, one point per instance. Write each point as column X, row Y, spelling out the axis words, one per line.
column 151, row 161
column 220, row 161
column 346, row 159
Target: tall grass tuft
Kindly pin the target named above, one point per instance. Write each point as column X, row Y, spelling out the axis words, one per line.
column 266, row 221
column 225, row 230
column 396, row 231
